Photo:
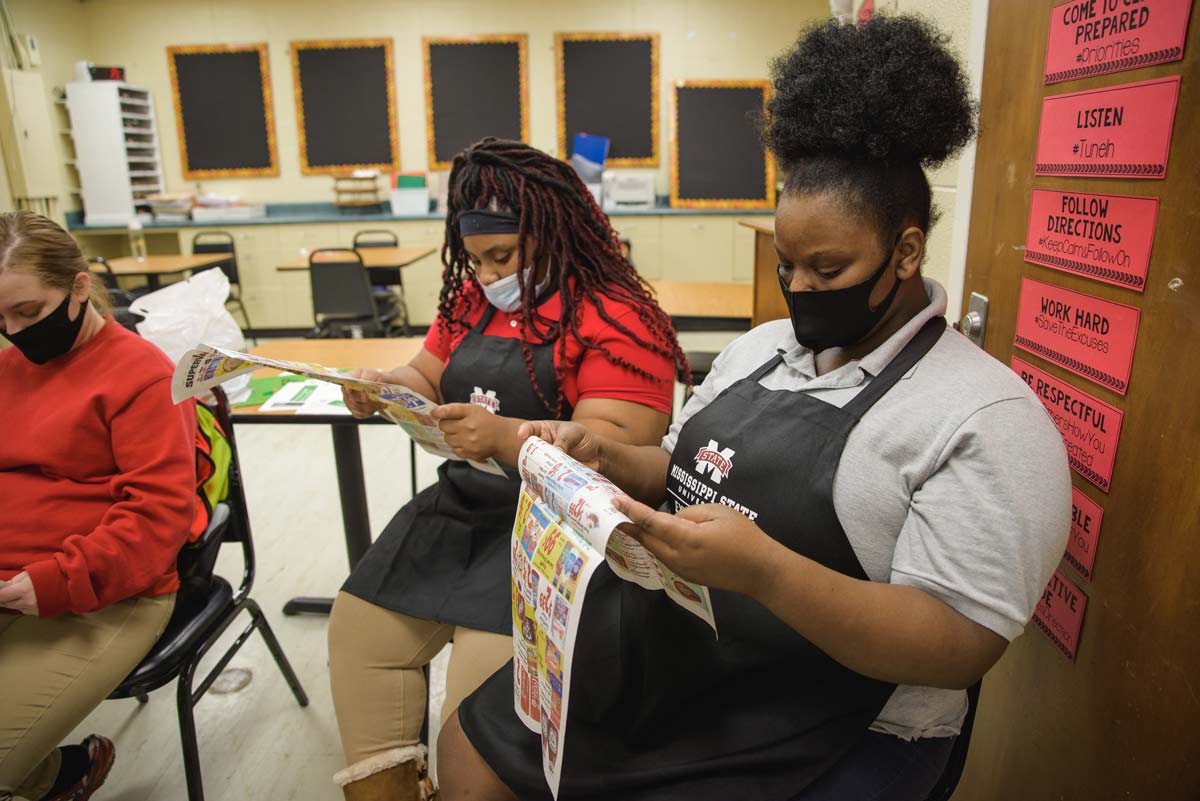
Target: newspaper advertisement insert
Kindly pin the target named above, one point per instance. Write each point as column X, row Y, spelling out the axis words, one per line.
column 565, row 528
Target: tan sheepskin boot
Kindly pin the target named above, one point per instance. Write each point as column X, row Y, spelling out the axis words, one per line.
column 396, row 775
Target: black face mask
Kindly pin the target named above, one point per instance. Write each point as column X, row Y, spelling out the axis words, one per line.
column 51, row 336
column 835, row 318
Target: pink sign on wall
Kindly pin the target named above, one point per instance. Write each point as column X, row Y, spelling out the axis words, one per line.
column 1059, row 614
column 1090, row 337
column 1105, row 237
column 1090, row 427
column 1086, row 516
column 1092, row 37
column 1119, row 132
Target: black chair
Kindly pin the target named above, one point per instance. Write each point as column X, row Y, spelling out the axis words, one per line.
column 384, row 278
column 944, row 789
column 222, row 242
column 119, row 299
column 699, row 366
column 204, row 607
column 343, row 303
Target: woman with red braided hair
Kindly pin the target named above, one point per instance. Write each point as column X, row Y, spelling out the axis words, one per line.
column 540, row 317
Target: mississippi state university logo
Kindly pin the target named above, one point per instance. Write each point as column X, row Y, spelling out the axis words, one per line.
column 487, row 400
column 716, row 462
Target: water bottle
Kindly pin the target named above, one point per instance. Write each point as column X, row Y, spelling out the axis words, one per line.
column 137, row 240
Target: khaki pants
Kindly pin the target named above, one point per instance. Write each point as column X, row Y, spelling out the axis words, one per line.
column 379, row 692
column 54, row 671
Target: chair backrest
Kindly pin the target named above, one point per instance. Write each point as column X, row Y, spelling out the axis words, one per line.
column 218, row 242
column 375, row 238
column 340, row 286
column 944, row 789
column 118, row 298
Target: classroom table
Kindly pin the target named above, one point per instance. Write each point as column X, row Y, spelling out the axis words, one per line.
column 377, row 257
column 347, row 453
column 704, row 299
column 153, row 268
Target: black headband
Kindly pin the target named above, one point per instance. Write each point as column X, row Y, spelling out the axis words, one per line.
column 483, row 221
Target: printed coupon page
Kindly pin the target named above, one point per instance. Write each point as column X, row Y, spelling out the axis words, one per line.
column 205, row 367
column 566, row 527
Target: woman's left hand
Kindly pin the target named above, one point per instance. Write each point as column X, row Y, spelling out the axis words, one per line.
column 17, row 594
column 709, row 544
column 472, row 431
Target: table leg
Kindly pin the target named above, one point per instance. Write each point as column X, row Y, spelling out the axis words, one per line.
column 153, row 281
column 347, row 455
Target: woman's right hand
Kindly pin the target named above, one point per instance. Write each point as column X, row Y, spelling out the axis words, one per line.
column 359, row 403
column 574, row 439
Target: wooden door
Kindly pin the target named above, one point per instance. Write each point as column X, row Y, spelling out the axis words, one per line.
column 1123, row 720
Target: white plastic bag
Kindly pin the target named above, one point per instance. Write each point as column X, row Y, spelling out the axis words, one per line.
column 188, row 313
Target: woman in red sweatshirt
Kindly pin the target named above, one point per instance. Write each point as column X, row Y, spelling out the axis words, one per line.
column 97, row 493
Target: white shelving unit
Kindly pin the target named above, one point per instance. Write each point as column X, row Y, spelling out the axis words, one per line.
column 117, row 151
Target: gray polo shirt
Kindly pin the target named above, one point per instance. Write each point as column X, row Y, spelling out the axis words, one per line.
column 955, row 482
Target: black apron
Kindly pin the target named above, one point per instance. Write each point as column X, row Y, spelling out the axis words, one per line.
column 660, row 709
column 445, row 554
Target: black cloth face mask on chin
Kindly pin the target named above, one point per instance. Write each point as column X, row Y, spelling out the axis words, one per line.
column 51, row 336
column 835, row 318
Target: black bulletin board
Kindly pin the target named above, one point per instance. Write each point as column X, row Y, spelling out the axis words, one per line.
column 223, row 110
column 345, row 105
column 717, row 156
column 608, row 86
column 474, row 87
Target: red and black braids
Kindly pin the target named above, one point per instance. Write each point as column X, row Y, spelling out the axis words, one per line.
column 557, row 212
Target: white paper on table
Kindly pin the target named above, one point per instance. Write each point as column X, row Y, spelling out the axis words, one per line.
column 324, row 399
column 290, row 397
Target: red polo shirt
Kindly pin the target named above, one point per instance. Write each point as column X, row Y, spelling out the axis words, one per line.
column 588, row 373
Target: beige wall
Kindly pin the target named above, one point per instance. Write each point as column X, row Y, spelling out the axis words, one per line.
column 61, row 29
column 6, row 200
column 950, row 182
column 698, row 39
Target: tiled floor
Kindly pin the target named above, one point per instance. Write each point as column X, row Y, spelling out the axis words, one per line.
column 257, row 743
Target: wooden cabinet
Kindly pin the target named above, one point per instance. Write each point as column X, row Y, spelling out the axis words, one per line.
column 645, row 240
column 698, row 248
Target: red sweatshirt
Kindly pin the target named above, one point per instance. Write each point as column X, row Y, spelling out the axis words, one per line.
column 97, row 473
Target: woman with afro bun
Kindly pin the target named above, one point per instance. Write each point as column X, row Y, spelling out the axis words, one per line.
column 875, row 503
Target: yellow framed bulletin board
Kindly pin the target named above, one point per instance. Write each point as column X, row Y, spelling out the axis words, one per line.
column 345, row 105
column 223, row 110
column 474, row 87
column 607, row 84
column 718, row 160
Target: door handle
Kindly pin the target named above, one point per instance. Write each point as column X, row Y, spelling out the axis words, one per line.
column 974, row 323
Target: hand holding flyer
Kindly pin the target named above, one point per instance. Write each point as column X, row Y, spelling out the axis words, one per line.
column 205, row 367
column 566, row 526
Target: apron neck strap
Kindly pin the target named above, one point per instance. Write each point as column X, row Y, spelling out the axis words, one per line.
column 766, row 368
column 896, row 369
column 488, row 314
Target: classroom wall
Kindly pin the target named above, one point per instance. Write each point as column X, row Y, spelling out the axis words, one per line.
column 952, row 17
column 6, row 199
column 698, row 39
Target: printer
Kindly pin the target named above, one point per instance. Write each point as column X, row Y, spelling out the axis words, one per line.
column 625, row 190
